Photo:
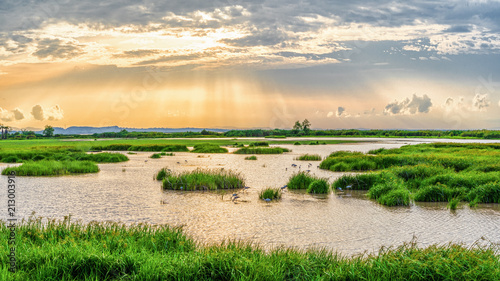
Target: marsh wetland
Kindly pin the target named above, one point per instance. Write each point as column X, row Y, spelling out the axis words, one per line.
column 344, row 220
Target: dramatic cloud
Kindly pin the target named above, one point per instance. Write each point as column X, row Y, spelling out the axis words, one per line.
column 12, row 115
column 480, row 102
column 409, row 106
column 52, row 114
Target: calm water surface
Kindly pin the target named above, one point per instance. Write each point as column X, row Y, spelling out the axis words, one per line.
column 346, row 222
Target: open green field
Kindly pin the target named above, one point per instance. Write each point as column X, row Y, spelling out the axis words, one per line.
column 87, row 144
column 438, row 172
column 64, row 250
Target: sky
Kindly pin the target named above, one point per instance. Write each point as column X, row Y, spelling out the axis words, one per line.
column 420, row 64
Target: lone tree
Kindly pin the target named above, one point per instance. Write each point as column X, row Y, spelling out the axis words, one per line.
column 49, row 131
column 306, row 125
column 297, row 127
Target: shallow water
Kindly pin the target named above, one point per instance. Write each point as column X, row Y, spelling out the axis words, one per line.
column 346, row 222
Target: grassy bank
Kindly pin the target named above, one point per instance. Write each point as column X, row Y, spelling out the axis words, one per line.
column 208, row 148
column 52, row 168
column 200, row 179
column 439, row 172
column 63, row 250
column 261, row 150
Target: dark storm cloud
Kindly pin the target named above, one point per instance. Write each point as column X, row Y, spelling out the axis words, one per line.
column 55, row 48
column 27, row 14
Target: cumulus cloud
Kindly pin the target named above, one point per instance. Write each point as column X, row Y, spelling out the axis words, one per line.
column 340, row 111
column 409, row 106
column 11, row 115
column 52, row 114
column 330, row 114
column 480, row 102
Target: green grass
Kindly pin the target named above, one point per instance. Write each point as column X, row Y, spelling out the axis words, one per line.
column 208, row 148
column 259, row 143
column 65, row 250
column 319, row 186
column 52, row 168
column 356, row 182
column 270, row 193
column 86, row 145
column 427, row 172
column 155, row 155
column 453, row 203
column 251, row 157
column 163, row 173
column 309, row 157
column 141, row 147
column 259, row 150
column 302, row 180
column 200, row 179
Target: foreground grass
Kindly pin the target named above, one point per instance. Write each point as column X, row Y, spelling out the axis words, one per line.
column 64, row 250
column 438, row 172
column 200, row 179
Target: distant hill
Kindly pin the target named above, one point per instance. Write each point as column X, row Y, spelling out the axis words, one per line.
column 82, row 130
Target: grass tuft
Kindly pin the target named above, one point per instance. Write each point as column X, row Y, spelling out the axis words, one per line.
column 251, row 157
column 309, row 157
column 270, row 193
column 259, row 150
column 208, row 148
column 200, row 179
column 318, row 186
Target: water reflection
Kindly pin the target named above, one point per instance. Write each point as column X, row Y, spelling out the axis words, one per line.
column 343, row 221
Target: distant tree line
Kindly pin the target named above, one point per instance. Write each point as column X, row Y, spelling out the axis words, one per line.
column 478, row 134
column 299, row 129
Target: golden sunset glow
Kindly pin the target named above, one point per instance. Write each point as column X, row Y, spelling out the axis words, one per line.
column 235, row 65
